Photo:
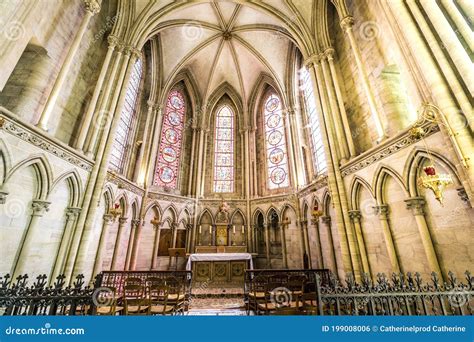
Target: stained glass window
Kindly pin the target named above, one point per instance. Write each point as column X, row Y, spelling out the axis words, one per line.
column 124, row 131
column 317, row 148
column 277, row 158
column 167, row 167
column 224, row 151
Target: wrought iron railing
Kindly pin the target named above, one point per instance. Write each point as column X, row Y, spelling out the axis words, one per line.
column 402, row 294
column 18, row 298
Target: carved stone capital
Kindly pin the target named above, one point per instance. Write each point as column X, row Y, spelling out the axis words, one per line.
column 108, row 218
column 3, row 197
column 135, row 223
column 325, row 219
column 347, row 22
column 461, row 193
column 113, row 41
column 382, row 210
column 39, row 207
column 314, row 222
column 311, row 61
column 416, row 204
column 135, row 52
column 92, row 6
column 123, row 220
column 72, row 213
column 355, row 215
column 329, row 53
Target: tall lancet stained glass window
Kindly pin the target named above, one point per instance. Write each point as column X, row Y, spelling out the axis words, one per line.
column 167, row 167
column 317, row 148
column 123, row 136
column 224, row 151
column 277, row 157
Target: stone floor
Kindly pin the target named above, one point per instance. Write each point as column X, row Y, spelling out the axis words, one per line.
column 217, row 301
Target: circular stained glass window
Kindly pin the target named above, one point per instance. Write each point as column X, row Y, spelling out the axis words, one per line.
column 174, row 118
column 169, row 154
column 278, row 175
column 176, row 102
column 274, row 137
column 273, row 120
column 171, row 135
column 166, row 174
column 272, row 104
column 276, row 156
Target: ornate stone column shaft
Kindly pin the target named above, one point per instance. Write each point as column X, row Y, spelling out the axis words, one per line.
column 139, row 168
column 39, row 207
column 131, row 239
column 92, row 7
column 416, row 204
column 382, row 211
column 87, row 118
column 122, row 223
column 346, row 24
column 355, row 216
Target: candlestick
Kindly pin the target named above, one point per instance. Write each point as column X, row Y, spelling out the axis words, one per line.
column 243, row 229
column 233, row 229
column 210, row 229
column 199, row 229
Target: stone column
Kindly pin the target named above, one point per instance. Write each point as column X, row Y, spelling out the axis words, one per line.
column 453, row 46
column 191, row 166
column 326, row 221
column 294, row 129
column 329, row 53
column 346, row 24
column 307, row 250
column 122, row 223
column 382, row 211
column 416, row 204
column 315, row 223
column 102, row 117
column 152, row 151
column 139, row 168
column 336, row 117
column 200, row 161
column 267, row 243
column 135, row 244
column 65, row 244
column 133, row 226
column 291, row 160
column 283, row 226
column 87, row 118
column 3, row 196
column 92, row 7
column 355, row 216
column 156, row 242
column 108, row 220
column 203, row 167
column 460, row 22
column 39, row 208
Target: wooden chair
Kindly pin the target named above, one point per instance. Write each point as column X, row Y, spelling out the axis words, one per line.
column 110, row 299
column 133, row 281
column 278, row 301
column 134, row 299
column 176, row 293
column 158, row 301
column 256, row 293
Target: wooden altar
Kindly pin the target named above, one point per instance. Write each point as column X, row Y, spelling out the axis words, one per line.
column 218, row 270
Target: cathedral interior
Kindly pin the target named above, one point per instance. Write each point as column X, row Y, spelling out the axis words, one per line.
column 220, row 137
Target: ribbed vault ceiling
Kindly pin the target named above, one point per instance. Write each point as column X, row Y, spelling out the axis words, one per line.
column 225, row 41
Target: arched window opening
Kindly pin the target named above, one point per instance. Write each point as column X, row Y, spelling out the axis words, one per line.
column 224, row 151
column 123, row 137
column 277, row 157
column 317, row 148
column 167, row 167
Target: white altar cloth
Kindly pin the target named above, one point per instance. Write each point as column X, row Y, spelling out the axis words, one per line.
column 218, row 257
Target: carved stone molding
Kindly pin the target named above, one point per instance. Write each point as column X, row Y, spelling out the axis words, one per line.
column 92, row 6
column 72, row 213
column 36, row 139
column 380, row 153
column 3, row 197
column 416, row 204
column 355, row 215
column 108, row 219
column 382, row 210
column 325, row 219
column 135, row 223
column 40, row 207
